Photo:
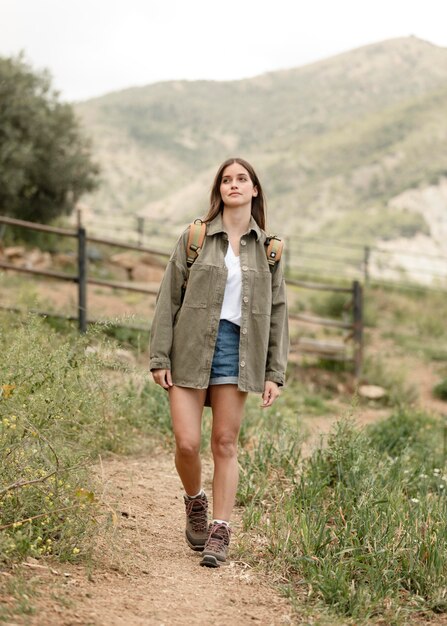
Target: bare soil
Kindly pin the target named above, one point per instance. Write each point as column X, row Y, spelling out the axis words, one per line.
column 145, row 574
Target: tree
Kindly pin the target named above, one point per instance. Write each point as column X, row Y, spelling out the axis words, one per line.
column 45, row 160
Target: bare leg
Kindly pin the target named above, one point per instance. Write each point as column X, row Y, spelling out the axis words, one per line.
column 186, row 412
column 227, row 404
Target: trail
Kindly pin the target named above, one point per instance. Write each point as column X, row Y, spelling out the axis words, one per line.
column 146, row 574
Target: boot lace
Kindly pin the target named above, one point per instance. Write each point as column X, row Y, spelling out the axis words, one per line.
column 219, row 538
column 197, row 513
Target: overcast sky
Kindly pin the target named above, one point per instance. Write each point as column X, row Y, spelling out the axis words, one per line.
column 92, row 47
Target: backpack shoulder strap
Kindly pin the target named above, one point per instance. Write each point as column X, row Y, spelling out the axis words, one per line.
column 274, row 248
column 197, row 232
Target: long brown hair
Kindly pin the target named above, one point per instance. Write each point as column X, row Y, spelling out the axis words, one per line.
column 258, row 204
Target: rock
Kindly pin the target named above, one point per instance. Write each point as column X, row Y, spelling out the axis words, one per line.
column 372, row 392
column 94, row 254
column 151, row 259
column 146, row 274
column 14, row 252
column 123, row 259
column 36, row 259
column 125, row 356
column 61, row 259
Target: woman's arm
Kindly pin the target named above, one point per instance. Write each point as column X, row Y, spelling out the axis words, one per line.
column 168, row 303
column 162, row 378
column 278, row 348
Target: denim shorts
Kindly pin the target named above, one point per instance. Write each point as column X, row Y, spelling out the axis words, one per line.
column 225, row 365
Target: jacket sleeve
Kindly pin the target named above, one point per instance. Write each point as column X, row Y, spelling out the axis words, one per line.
column 278, row 348
column 168, row 303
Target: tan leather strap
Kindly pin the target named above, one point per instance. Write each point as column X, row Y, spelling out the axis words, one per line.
column 197, row 232
column 274, row 249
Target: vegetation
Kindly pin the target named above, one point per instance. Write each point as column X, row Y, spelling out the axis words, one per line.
column 57, row 412
column 440, row 390
column 360, row 525
column 45, row 160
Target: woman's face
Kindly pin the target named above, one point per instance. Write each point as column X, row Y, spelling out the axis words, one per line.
column 236, row 187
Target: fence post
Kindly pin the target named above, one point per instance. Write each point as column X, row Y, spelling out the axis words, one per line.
column 82, row 279
column 366, row 255
column 357, row 296
column 140, row 229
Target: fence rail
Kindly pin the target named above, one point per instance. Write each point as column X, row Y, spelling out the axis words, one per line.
column 335, row 351
column 314, row 257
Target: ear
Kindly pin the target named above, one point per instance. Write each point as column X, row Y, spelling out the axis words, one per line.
column 255, row 191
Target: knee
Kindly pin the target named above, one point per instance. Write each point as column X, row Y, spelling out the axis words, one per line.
column 187, row 449
column 224, row 446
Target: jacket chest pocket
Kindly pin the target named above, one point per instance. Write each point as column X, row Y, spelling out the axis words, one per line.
column 198, row 288
column 262, row 294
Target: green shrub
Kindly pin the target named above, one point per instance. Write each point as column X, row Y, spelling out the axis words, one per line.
column 127, row 336
column 354, row 527
column 336, row 305
column 440, row 390
column 411, row 432
column 58, row 410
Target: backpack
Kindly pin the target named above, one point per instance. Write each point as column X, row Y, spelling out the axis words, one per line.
column 197, row 231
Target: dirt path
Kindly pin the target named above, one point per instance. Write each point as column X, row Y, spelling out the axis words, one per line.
column 145, row 574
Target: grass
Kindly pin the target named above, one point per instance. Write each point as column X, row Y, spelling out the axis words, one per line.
column 58, row 412
column 376, row 371
column 359, row 527
column 413, row 322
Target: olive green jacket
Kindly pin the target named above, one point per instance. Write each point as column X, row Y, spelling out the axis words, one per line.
column 183, row 335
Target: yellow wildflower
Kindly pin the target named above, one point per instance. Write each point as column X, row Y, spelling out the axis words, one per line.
column 6, row 390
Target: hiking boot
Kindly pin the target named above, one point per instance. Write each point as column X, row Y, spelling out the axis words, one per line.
column 216, row 547
column 196, row 521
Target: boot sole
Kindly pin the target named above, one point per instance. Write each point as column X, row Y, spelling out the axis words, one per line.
column 211, row 561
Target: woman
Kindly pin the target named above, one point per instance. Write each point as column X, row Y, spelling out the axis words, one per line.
column 227, row 336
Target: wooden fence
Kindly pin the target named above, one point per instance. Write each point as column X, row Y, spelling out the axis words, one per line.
column 353, row 329
column 309, row 257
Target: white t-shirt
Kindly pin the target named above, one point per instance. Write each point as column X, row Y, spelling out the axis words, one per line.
column 232, row 302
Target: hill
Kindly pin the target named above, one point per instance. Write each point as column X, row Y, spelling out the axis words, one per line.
column 335, row 141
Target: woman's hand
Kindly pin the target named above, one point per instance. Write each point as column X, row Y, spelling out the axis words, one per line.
column 271, row 392
column 162, row 378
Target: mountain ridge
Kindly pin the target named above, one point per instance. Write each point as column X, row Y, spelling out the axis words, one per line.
column 334, row 140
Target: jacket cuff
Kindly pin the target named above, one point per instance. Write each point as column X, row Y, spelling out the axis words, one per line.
column 159, row 364
column 275, row 377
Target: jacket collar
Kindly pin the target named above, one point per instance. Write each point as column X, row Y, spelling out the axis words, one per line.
column 216, row 226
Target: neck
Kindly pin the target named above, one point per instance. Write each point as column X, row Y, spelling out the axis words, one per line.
column 236, row 220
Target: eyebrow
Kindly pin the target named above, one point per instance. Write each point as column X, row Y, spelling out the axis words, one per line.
column 239, row 174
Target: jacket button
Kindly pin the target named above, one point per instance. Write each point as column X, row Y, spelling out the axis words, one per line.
column 242, row 363
column 244, row 268
column 245, row 299
column 243, row 242
column 244, row 331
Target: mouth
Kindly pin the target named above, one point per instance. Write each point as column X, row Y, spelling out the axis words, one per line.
column 235, row 193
